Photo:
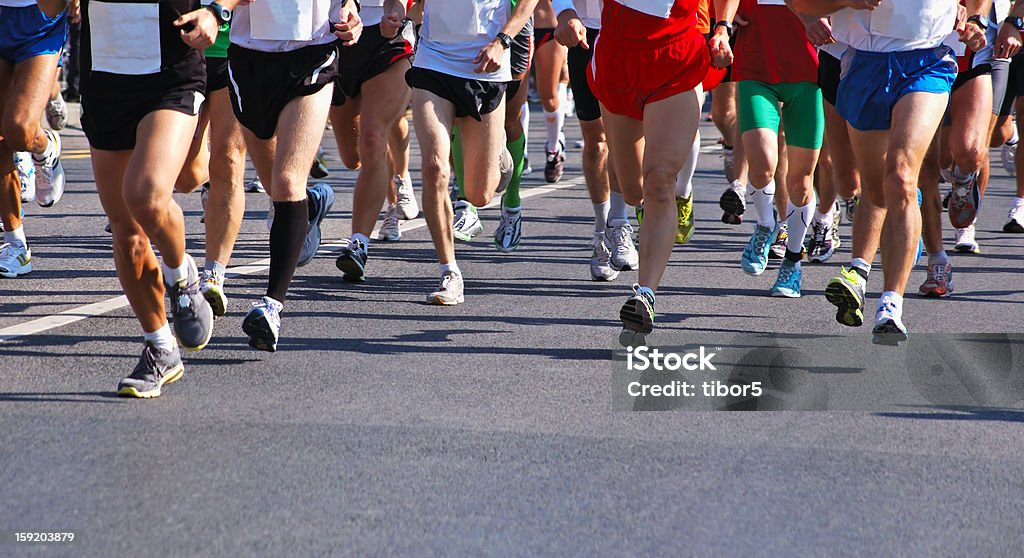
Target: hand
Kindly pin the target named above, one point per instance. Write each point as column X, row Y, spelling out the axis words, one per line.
column 863, row 4
column 819, row 31
column 571, row 31
column 390, row 24
column 973, row 37
column 489, row 58
column 961, row 18
column 198, row 28
column 721, row 51
column 1008, row 42
column 74, row 12
column 349, row 26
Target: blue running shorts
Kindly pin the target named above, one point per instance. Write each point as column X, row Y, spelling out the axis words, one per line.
column 873, row 82
column 27, row 32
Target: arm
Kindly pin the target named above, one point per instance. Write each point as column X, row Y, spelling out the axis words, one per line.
column 970, row 32
column 395, row 12
column 721, row 51
column 570, row 31
column 1008, row 43
column 818, row 29
column 489, row 58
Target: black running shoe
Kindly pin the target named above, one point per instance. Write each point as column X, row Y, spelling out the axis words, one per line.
column 733, row 206
column 155, row 369
column 352, row 262
column 319, row 168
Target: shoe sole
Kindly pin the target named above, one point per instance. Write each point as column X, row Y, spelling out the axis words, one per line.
column 934, row 294
column 441, row 301
column 350, row 270
column 603, row 279
column 635, row 318
column 260, row 335
column 781, row 294
column 731, row 203
column 388, row 238
column 731, row 219
column 1013, row 228
column 962, row 249
column 174, row 376
column 218, row 302
column 822, row 258
column 14, row 274
column 463, row 237
column 849, row 310
column 888, row 334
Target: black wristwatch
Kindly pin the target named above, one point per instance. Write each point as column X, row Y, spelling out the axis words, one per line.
column 506, row 41
column 1016, row 22
column 976, row 19
column 728, row 27
column 222, row 14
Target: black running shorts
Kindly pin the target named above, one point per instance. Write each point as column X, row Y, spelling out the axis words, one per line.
column 216, row 74
column 829, row 70
column 111, row 118
column 367, row 59
column 472, row 98
column 263, row 83
column 587, row 106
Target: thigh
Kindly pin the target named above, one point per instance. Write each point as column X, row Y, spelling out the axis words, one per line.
column 670, row 126
column 433, row 118
column 300, row 129
column 970, row 110
column 482, row 143
column 30, row 89
column 548, row 62
column 108, row 168
column 345, row 122
column 385, row 98
column 162, row 142
column 869, row 150
column 915, row 120
column 226, row 138
column 626, row 149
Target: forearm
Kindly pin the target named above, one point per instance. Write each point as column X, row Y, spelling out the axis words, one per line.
column 520, row 15
column 560, row 6
column 819, row 8
column 397, row 7
column 725, row 10
column 978, row 8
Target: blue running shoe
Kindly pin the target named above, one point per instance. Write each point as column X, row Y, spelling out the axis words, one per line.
column 321, row 198
column 787, row 284
column 263, row 324
column 755, row 255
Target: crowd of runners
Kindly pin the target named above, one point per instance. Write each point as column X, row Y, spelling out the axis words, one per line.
column 827, row 109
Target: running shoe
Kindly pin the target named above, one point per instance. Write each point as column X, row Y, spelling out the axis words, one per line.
column 778, row 247
column 254, row 186
column 820, row 246
column 787, row 284
column 322, row 197
column 889, row 328
column 945, row 200
column 846, row 293
column 1009, row 156
column 851, row 208
column 965, row 241
column 204, row 194
column 637, row 313
column 939, row 283
column 1015, row 220
column 26, row 175
column 684, row 210
column 15, row 260
column 191, row 314
column 57, row 113
column 155, row 369
column 619, row 239
column 506, row 168
column 554, row 164
column 964, row 203
column 352, row 261
column 755, row 255
column 467, row 223
column 106, row 228
column 510, row 230
column 407, row 206
column 728, row 163
column 837, row 220
column 319, row 168
column 527, row 169
column 390, row 230
column 600, row 260
column 263, row 324
column 49, row 174
column 733, row 203
column 449, row 292
column 212, row 287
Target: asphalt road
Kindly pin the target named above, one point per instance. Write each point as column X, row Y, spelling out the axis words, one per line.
column 384, row 426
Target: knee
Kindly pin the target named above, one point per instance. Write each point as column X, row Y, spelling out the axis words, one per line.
column 144, row 206
column 660, row 183
column 478, row 199
column 550, row 103
column 969, row 158
column 595, row 150
column 435, row 171
column 760, row 177
column 373, row 141
column 19, row 134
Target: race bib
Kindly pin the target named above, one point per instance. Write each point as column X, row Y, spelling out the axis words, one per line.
column 454, row 21
column 372, row 3
column 125, row 38
column 911, row 20
column 281, row 20
column 656, row 8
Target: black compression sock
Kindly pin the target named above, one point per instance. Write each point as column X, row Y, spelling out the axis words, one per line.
column 286, row 237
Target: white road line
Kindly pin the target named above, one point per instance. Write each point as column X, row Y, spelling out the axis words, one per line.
column 94, row 309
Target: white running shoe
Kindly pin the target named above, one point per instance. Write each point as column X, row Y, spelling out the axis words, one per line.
column 57, row 113
column 49, row 174
column 390, row 231
column 15, row 260
column 889, row 328
column 254, row 186
column 466, row 222
column 1009, row 156
column 620, row 240
column 510, row 230
column 407, row 206
column 26, row 175
column 965, row 241
column 1015, row 220
column 600, row 260
column 449, row 292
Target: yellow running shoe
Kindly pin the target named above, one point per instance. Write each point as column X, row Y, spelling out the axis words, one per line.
column 685, row 209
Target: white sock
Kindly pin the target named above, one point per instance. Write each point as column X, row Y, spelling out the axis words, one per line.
column 893, row 297
column 17, row 236
column 940, row 258
column 798, row 218
column 50, row 151
column 601, row 215
column 1014, row 138
column 174, row 275
column 524, row 119
column 361, row 238
column 162, row 338
column 764, row 205
column 453, row 267
column 1017, row 202
column 684, row 180
column 860, row 263
column 962, row 177
column 820, row 217
column 617, row 212
column 554, row 121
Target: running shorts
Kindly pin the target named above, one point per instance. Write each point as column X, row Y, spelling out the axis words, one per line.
column 625, row 76
column 1014, row 85
column 758, row 106
column 216, row 74
column 873, row 82
column 27, row 32
column 521, row 54
column 587, row 106
column 829, row 72
column 370, row 57
column 263, row 83
column 111, row 119
column 471, row 98
column 542, row 35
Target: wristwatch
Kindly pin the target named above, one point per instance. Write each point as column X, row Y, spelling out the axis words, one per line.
column 506, row 41
column 728, row 27
column 222, row 14
column 976, row 19
column 1016, row 22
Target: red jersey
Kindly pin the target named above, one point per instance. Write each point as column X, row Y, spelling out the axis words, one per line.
column 773, row 47
column 624, row 26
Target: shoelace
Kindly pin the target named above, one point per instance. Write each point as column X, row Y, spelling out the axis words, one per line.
column 761, row 239
column 622, row 235
column 938, row 274
column 820, row 233
column 786, row 273
column 391, row 219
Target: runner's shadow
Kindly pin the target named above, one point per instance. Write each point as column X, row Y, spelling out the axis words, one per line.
column 61, row 397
